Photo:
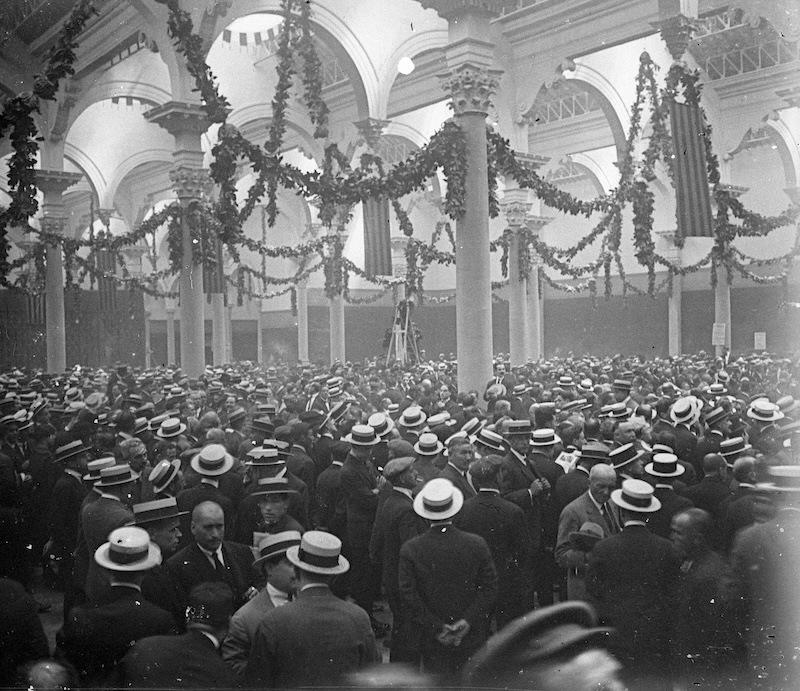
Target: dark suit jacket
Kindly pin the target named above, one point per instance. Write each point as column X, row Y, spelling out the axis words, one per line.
column 302, row 465
column 660, row 522
column 159, row 588
column 312, row 641
column 95, row 637
column 395, row 524
column 516, row 479
column 709, row 495
column 445, row 575
column 189, row 661
column 551, row 509
column 570, row 486
column 630, row 580
column 502, row 524
column 22, row 638
column 357, row 482
column 190, row 567
column 65, row 514
column 331, row 506
column 686, row 447
column 738, row 514
column 452, row 473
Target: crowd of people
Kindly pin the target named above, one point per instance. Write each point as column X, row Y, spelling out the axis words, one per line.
column 601, row 522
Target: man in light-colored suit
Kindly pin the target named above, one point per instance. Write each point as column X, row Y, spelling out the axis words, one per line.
column 587, row 508
column 280, row 584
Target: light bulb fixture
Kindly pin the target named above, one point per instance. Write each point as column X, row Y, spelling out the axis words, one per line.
column 406, row 65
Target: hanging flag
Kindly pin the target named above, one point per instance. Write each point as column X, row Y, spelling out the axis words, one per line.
column 34, row 309
column 377, row 237
column 106, row 287
column 691, row 180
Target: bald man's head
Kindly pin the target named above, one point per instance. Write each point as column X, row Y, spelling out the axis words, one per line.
column 208, row 525
column 714, row 464
column 602, row 481
column 744, row 469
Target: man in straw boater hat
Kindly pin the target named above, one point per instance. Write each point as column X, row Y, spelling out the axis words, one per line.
column 448, row 583
column 765, row 559
column 161, row 519
column 395, row 524
column 273, row 495
column 360, row 484
column 65, row 504
column 210, row 557
column 189, row 661
column 166, row 479
column 683, row 413
column 557, row 648
column 96, row 636
column 664, row 469
column 210, row 464
column 630, row 580
column 279, row 588
column 317, row 638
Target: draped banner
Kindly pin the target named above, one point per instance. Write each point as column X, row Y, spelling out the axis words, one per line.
column 691, row 180
column 106, row 287
column 377, row 237
column 34, row 309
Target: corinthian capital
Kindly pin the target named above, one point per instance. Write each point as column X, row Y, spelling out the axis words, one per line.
column 516, row 212
column 471, row 88
column 189, row 182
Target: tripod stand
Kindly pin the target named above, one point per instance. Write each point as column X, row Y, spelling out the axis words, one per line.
column 403, row 336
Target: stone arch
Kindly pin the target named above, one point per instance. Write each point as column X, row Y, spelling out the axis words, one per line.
column 248, row 116
column 788, row 148
column 415, row 45
column 595, row 171
column 336, row 35
column 128, row 166
column 157, row 32
column 94, row 175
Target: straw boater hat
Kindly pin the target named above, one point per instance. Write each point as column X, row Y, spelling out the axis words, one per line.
column 412, row 417
column 128, row 549
column 593, row 451
column 157, row 510
column 664, row 465
column 762, row 410
column 261, row 456
column 544, row 437
column 382, row 424
column 782, row 478
column 318, row 552
column 70, row 450
column 623, row 455
column 472, row 426
column 518, row 428
column 273, row 545
column 684, row 410
column 636, row 495
column 94, row 467
column 171, row 427
column 438, row 500
column 488, row 439
column 272, row 485
column 164, row 473
column 428, row 445
column 733, row 446
column 716, row 415
column 362, row 435
column 115, row 475
column 212, row 460
column 438, row 419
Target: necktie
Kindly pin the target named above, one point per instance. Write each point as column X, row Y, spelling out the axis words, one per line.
column 607, row 518
column 219, row 567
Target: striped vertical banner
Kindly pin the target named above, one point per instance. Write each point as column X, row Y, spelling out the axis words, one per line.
column 377, row 237
column 34, row 309
column 106, row 287
column 691, row 180
column 214, row 270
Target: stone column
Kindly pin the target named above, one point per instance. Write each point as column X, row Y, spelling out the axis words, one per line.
column 515, row 207
column 337, row 328
column 673, row 254
column 53, row 183
column 302, row 322
column 147, row 359
column 471, row 85
column 169, row 307
column 228, row 331
column 535, row 295
column 260, row 332
column 218, row 340
column 722, row 293
column 187, row 122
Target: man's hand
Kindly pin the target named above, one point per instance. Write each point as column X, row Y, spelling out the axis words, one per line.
column 536, row 487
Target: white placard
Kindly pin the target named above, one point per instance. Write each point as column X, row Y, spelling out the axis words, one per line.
column 718, row 334
column 760, row 340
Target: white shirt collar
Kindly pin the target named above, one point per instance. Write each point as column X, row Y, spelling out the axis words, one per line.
column 594, row 501
column 404, row 490
column 211, row 637
column 210, row 555
column 490, row 490
column 110, row 496
column 278, row 597
column 634, row 522
column 308, row 586
column 73, row 473
column 210, row 481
